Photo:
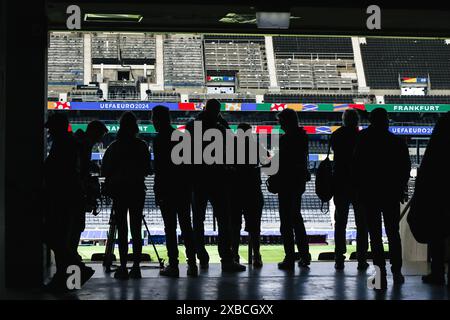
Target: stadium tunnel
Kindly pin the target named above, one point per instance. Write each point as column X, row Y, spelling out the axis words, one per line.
column 23, row 86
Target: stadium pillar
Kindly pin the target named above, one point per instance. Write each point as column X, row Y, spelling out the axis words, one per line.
column 270, row 55
column 159, row 42
column 87, row 72
column 24, row 110
column 362, row 85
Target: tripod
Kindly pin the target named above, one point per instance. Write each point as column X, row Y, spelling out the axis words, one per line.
column 111, row 240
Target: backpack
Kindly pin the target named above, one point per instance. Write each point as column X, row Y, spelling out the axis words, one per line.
column 324, row 179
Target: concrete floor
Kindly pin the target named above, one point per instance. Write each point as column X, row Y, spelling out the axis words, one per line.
column 320, row 282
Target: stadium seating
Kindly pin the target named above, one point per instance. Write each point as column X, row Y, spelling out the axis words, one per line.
column 428, row 119
column 314, row 63
column 310, row 210
column 244, row 55
column 132, row 48
column 65, row 59
column 304, row 98
column 183, row 61
column 386, row 59
column 164, row 97
column 416, row 99
column 318, row 45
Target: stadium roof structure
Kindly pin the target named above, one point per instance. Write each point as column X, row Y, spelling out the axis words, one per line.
column 398, row 19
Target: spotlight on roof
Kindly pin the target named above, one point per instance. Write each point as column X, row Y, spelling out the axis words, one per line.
column 273, row 20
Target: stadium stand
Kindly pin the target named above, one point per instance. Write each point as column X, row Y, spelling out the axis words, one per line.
column 123, row 48
column 305, row 98
column 314, row 63
column 163, row 97
column 244, row 55
column 309, row 70
column 65, row 59
column 386, row 59
column 310, row 209
column 183, row 61
column 413, row 119
column 317, row 45
column 417, row 99
column 123, row 90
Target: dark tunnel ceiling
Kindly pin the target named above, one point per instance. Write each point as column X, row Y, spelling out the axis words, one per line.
column 326, row 17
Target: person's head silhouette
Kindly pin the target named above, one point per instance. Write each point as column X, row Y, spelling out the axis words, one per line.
column 128, row 126
column 57, row 124
column 350, row 118
column 95, row 131
column 244, row 126
column 288, row 120
column 212, row 110
column 160, row 117
column 379, row 119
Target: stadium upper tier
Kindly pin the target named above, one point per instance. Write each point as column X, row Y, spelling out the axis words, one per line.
column 65, row 59
column 183, row 61
column 320, row 63
column 385, row 60
column 246, row 56
column 317, row 45
column 111, row 48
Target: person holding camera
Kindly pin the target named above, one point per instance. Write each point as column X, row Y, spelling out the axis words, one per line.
column 63, row 187
column 381, row 169
column 343, row 142
column 173, row 199
column 246, row 194
column 292, row 176
column 209, row 183
column 86, row 140
column 125, row 165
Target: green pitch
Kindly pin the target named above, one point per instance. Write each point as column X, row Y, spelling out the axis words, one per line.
column 270, row 253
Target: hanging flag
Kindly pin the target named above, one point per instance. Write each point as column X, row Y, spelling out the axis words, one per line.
column 277, row 106
column 186, row 106
column 310, row 107
column 232, row 107
column 340, row 107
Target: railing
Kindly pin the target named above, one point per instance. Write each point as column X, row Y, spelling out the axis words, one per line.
column 314, row 56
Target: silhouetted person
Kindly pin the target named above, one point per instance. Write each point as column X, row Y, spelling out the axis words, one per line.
column 431, row 189
column 62, row 183
column 343, row 142
column 381, row 171
column 95, row 131
column 246, row 198
column 210, row 184
column 125, row 165
column 292, row 174
column 173, row 194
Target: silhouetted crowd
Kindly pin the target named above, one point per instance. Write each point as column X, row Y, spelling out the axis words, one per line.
column 371, row 169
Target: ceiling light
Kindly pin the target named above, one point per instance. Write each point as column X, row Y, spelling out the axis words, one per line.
column 112, row 17
column 273, row 20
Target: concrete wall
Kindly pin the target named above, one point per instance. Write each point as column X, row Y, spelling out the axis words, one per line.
column 2, row 142
column 24, row 143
